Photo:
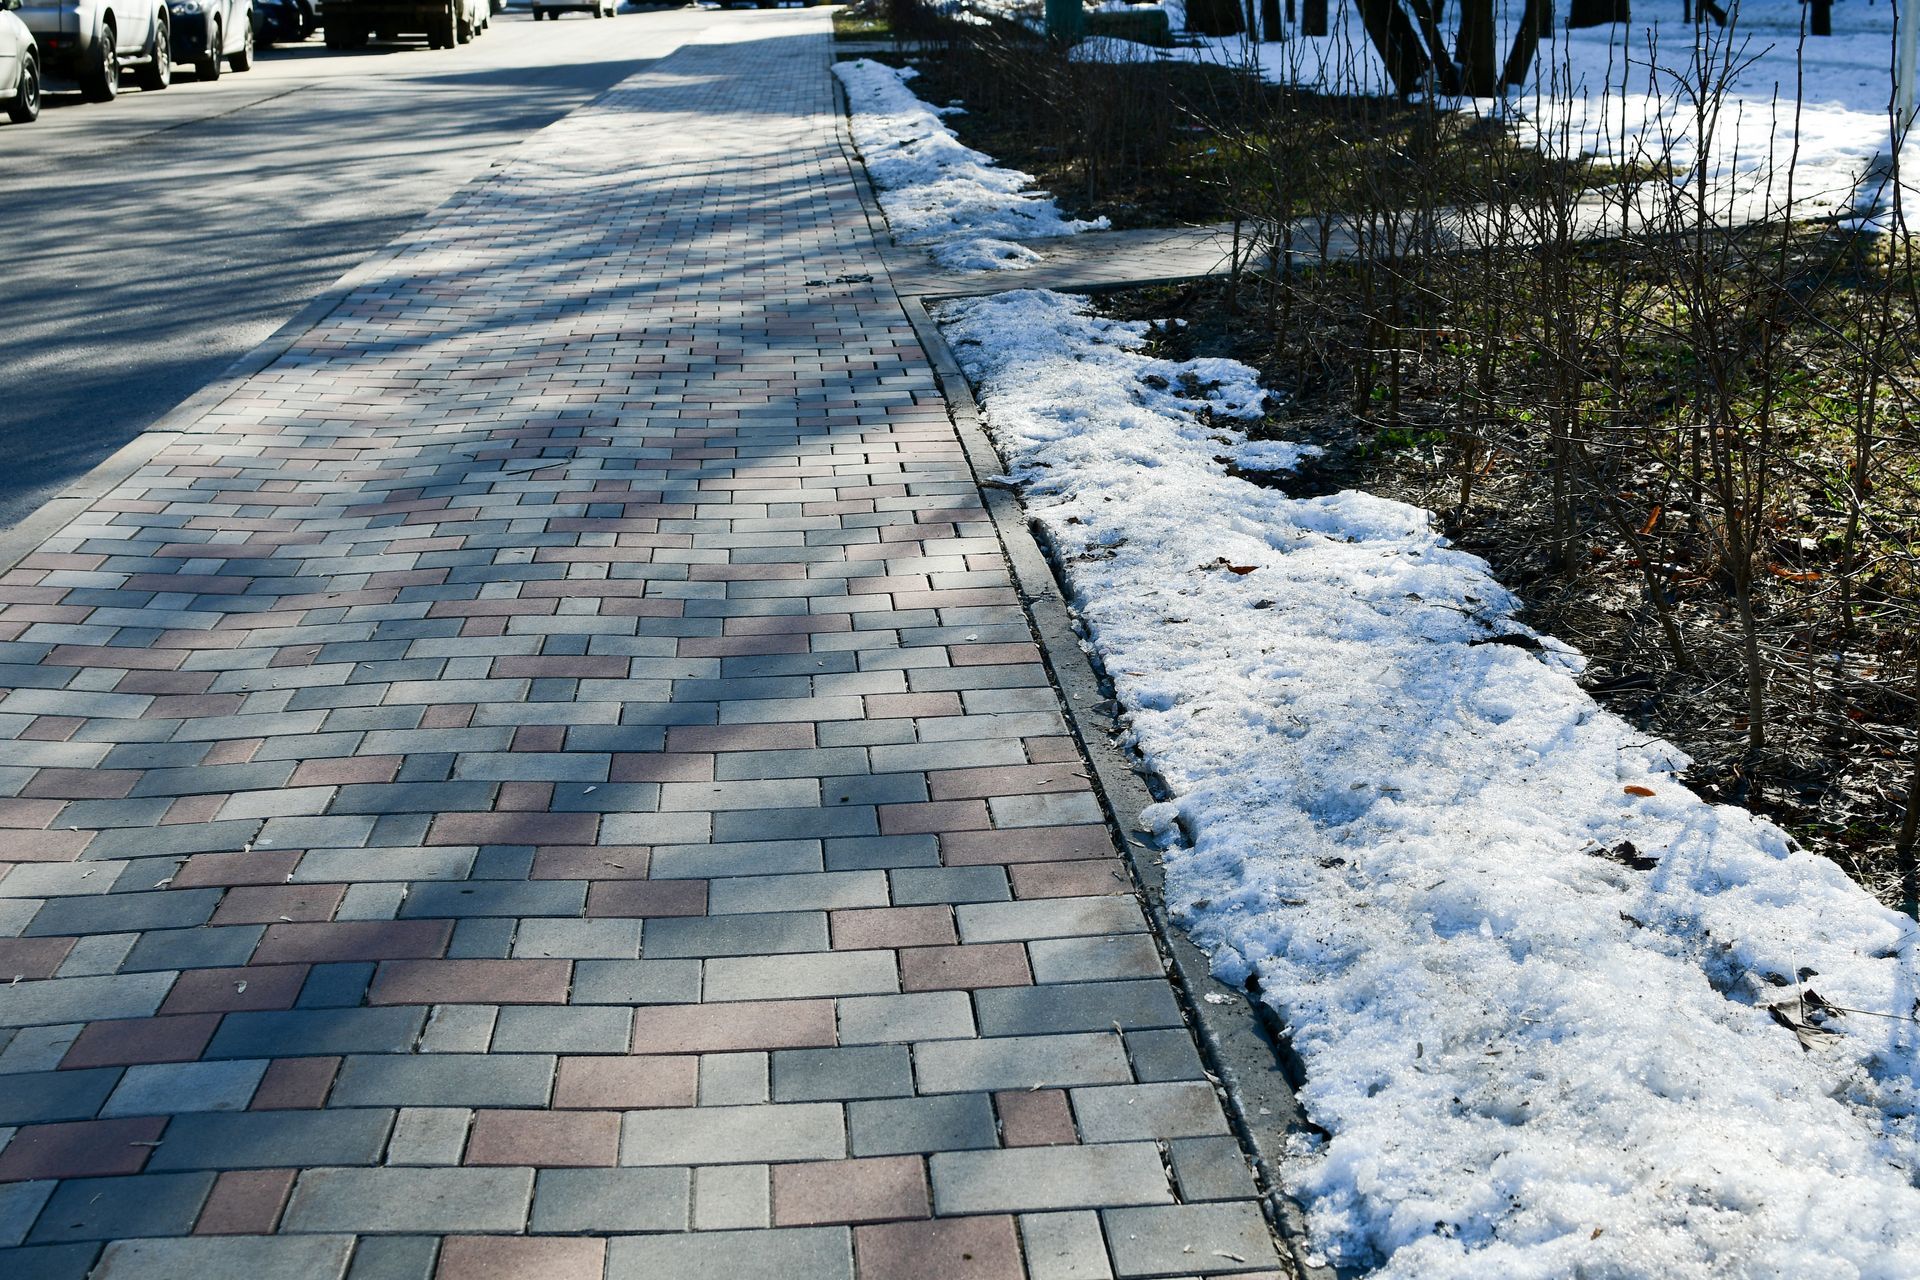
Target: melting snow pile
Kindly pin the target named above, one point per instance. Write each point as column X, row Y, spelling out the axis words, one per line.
column 1528, row 972
column 937, row 193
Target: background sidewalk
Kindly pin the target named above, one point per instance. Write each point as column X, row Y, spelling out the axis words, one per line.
column 552, row 776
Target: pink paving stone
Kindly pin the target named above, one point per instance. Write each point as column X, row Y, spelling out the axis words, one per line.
column 886, row 1189
column 981, row 655
column 1052, row 750
column 524, row 797
column 80, row 784
column 32, row 958
column 193, row 810
column 723, row 1028
column 1091, row 878
column 165, row 682
column 934, row 817
column 345, row 771
column 80, row 1149
column 230, row 751
column 261, row 866
column 514, row 828
column 227, row 990
column 52, row 728
column 521, row 1258
column 1035, row 1118
column 264, row 904
column 992, row 964
column 627, row 1084
column 245, row 1202
column 740, row 737
column 295, row 1084
column 533, row 981
column 662, row 766
column 1006, row 780
column 46, row 846
column 456, row 716
column 939, row 1249
column 129, row 1041
column 645, row 898
column 1024, row 844
column 891, row 706
column 880, row 928
column 591, row 862
column 27, row 815
column 545, row 1139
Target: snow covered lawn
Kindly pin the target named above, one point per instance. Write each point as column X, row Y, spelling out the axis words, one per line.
column 937, row 193
column 1527, row 970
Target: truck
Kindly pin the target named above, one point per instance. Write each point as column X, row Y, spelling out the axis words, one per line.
column 350, row 24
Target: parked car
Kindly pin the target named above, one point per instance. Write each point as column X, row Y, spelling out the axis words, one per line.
column 283, row 21
column 19, row 67
column 92, row 41
column 554, row 8
column 351, row 23
column 211, row 33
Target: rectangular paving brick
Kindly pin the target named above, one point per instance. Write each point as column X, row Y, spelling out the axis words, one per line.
column 409, row 1200
column 772, row 1024
column 470, row 982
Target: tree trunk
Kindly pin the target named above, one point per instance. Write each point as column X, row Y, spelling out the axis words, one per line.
column 1536, row 20
column 1313, row 17
column 1597, row 13
column 1445, row 74
column 1399, row 45
column 1822, row 24
column 1475, row 50
column 1271, row 26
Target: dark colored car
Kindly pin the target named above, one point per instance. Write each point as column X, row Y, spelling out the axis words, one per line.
column 283, row 21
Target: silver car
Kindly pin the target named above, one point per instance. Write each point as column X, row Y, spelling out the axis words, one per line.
column 92, row 40
column 19, row 67
column 212, row 33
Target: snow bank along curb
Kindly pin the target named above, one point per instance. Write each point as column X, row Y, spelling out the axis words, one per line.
column 1528, row 997
column 950, row 199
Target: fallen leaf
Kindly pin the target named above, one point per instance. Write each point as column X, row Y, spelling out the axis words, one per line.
column 1639, row 791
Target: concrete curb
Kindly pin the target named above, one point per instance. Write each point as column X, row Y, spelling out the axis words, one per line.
column 1239, row 1038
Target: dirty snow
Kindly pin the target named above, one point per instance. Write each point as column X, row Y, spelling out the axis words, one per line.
column 1522, row 964
column 950, row 199
column 1619, row 92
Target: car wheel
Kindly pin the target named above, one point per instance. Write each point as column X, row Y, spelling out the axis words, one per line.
column 158, row 74
column 25, row 107
column 243, row 59
column 100, row 80
column 210, row 63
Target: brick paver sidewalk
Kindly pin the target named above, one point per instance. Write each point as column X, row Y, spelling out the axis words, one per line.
column 554, row 777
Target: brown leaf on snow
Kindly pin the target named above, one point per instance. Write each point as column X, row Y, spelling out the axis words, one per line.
column 1639, row 791
column 1223, row 563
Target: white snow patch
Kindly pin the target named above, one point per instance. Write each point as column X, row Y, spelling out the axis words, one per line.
column 953, row 200
column 1533, row 1059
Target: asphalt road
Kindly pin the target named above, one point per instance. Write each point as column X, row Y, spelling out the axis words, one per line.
column 150, row 241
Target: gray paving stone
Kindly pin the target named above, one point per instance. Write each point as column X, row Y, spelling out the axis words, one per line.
column 38, row 1097
column 869, row 1071
column 1027, row 1179
column 409, row 1200
column 482, row 938
column 337, row 866
column 495, row 898
column 48, row 1262
column 88, row 999
column 792, row 1253
column 175, row 1087
column 796, row 823
column 20, row 1204
column 902, row 1126
column 104, row 1208
column 37, row 1048
column 924, row 885
column 429, row 1136
column 1064, row 1246
column 1048, row 918
column 227, row 1258
column 860, row 853
column 444, row 1080
column 1094, row 959
column 774, row 933
column 459, row 1028
column 370, row 901
column 705, row 861
column 826, row 973
column 1048, row 809
column 610, row 1200
column 97, row 953
column 604, row 939
column 394, row 1258
column 1077, row 1006
column 125, row 912
column 563, row 1029
column 208, row 947
column 1196, row 1239
column 657, row 828
column 1164, row 1055
column 733, row 1079
column 636, row 982
column 734, row 1135
column 920, row 1015
column 167, row 842
column 1021, row 1062
column 1123, row 1113
column 1211, row 1169
column 732, row 1197
column 272, row 1139
column 337, row 985
column 303, row 1032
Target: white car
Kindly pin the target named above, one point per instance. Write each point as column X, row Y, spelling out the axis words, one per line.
column 19, row 67
column 91, row 41
column 212, row 33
